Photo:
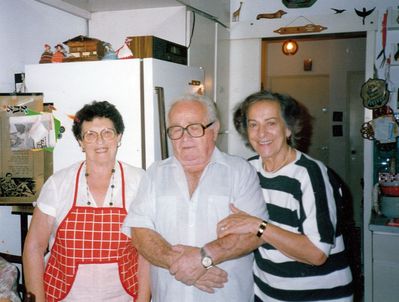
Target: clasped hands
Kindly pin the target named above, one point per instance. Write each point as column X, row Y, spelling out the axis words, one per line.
column 186, row 264
column 186, row 267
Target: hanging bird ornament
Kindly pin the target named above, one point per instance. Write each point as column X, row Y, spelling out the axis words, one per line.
column 338, row 11
column 364, row 13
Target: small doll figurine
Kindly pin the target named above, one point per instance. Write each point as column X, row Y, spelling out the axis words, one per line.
column 46, row 55
column 124, row 52
column 59, row 54
column 109, row 53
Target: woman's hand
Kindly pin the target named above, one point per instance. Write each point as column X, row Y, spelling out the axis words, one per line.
column 239, row 222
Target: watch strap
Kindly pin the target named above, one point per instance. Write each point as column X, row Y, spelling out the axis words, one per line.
column 206, row 260
column 262, row 228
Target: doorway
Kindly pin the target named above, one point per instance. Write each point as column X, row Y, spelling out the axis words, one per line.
column 330, row 90
column 313, row 90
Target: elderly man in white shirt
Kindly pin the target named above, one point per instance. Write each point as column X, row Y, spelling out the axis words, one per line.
column 180, row 201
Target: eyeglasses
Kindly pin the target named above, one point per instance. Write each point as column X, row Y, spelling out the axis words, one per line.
column 194, row 130
column 107, row 134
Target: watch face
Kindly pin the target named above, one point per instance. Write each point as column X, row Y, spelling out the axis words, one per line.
column 206, row 262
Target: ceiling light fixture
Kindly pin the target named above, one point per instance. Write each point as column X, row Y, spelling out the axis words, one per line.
column 290, row 47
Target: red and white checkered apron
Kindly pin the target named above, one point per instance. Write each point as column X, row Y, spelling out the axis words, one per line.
column 90, row 235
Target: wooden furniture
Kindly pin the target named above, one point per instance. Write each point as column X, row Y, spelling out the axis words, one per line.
column 83, row 48
column 154, row 47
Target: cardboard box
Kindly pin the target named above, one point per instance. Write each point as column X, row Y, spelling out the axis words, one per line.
column 21, row 172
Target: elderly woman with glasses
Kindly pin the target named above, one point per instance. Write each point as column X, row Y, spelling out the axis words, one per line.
column 302, row 256
column 79, row 215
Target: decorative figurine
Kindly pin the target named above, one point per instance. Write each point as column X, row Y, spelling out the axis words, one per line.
column 236, row 14
column 124, row 52
column 47, row 55
column 277, row 14
column 109, row 53
column 59, row 54
column 83, row 48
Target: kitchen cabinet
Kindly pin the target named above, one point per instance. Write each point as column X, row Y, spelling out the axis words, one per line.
column 385, row 265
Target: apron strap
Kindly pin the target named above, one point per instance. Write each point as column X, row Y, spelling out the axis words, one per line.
column 123, row 184
column 77, row 184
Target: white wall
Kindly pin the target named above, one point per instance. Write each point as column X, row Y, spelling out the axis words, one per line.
column 25, row 26
column 219, row 8
column 114, row 26
column 245, row 57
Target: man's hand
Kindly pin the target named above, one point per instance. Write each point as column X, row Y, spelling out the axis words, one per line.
column 214, row 277
column 187, row 268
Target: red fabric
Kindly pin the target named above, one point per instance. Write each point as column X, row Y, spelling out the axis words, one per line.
column 90, row 235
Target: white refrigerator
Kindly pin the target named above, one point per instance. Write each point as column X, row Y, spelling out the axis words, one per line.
column 141, row 89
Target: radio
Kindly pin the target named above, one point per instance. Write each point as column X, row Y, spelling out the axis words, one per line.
column 154, row 47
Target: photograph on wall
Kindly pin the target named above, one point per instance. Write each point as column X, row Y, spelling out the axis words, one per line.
column 32, row 132
column 22, row 167
column 16, row 186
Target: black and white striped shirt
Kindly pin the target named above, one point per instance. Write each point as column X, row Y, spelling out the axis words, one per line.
column 300, row 199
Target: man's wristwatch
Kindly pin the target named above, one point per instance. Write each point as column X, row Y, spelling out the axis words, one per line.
column 206, row 260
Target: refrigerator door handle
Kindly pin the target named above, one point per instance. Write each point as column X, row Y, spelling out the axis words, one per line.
column 162, row 121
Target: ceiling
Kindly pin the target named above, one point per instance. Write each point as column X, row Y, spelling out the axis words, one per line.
column 107, row 5
column 84, row 8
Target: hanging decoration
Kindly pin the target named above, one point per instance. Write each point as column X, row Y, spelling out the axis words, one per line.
column 383, row 128
column 383, row 39
column 298, row 3
column 338, row 11
column 277, row 14
column 308, row 28
column 364, row 13
column 374, row 93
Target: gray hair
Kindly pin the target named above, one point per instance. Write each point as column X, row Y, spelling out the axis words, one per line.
column 295, row 115
column 205, row 101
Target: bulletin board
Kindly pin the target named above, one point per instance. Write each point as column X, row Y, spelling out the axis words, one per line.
column 21, row 170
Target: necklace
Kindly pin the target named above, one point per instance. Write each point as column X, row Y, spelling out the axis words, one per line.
column 111, row 202
column 285, row 161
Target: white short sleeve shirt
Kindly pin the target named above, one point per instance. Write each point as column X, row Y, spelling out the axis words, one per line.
column 163, row 204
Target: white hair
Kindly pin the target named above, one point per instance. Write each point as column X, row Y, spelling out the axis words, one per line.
column 207, row 102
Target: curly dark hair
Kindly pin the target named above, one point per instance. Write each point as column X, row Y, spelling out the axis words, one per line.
column 97, row 109
column 295, row 115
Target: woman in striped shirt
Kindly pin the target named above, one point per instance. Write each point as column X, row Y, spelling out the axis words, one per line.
column 302, row 257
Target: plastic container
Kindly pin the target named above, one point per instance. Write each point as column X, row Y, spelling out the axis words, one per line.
column 390, row 206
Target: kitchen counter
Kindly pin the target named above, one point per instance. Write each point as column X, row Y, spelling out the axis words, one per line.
column 385, row 259
column 378, row 224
